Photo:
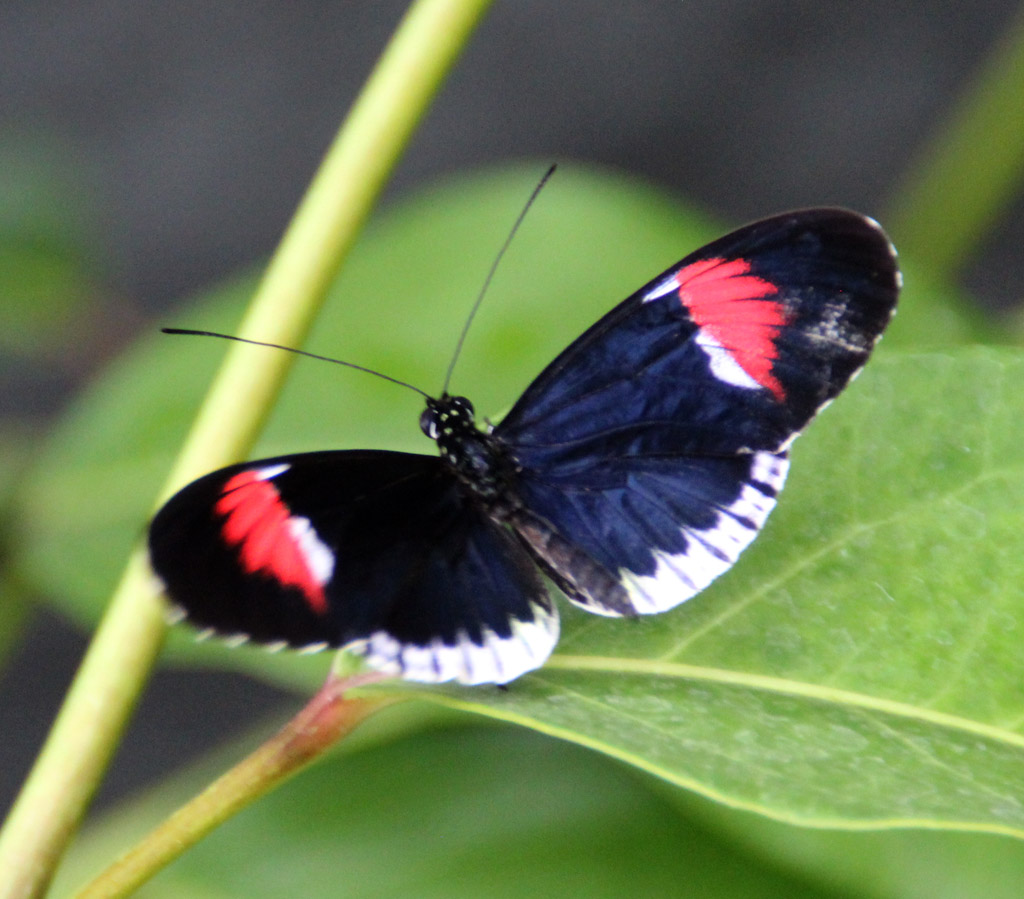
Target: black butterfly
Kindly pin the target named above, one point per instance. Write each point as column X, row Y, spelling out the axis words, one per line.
column 631, row 473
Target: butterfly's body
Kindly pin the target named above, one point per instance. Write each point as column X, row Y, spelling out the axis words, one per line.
column 632, row 472
column 476, row 459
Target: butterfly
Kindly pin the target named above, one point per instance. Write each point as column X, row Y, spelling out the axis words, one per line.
column 630, row 474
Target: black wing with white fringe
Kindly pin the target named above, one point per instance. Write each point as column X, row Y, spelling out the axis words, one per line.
column 375, row 550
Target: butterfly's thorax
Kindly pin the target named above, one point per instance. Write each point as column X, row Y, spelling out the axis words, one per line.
column 476, row 458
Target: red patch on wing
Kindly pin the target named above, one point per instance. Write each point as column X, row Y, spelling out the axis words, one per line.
column 732, row 306
column 257, row 522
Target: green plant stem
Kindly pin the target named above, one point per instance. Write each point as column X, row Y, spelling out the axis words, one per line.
column 126, row 645
column 966, row 176
column 327, row 718
column 83, row 738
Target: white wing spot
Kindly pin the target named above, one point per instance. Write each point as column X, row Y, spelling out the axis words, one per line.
column 318, row 557
column 669, row 285
column 723, row 365
column 270, row 471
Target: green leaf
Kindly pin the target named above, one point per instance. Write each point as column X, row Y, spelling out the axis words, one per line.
column 861, row 666
column 467, row 812
column 892, row 864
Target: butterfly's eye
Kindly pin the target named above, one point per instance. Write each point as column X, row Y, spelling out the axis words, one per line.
column 429, row 423
column 463, row 408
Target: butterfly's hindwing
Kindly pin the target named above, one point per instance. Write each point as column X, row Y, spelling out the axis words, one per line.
column 400, row 565
column 662, row 529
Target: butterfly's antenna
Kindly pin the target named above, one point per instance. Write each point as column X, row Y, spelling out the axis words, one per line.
column 490, row 275
column 278, row 346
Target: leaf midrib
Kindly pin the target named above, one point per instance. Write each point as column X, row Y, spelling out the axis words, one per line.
column 776, row 685
column 783, row 687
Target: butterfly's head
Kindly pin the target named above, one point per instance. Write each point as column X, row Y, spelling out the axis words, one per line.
column 447, row 416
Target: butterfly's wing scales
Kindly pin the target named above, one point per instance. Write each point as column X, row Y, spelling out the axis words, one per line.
column 378, row 551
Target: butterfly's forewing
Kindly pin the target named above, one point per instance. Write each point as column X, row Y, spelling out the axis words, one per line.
column 735, row 347
column 375, row 550
column 656, row 443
